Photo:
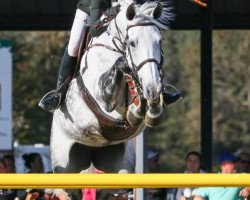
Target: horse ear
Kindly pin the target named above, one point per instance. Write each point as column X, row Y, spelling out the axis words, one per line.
column 157, row 11
column 130, row 14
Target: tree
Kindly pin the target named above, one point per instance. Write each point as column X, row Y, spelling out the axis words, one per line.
column 37, row 58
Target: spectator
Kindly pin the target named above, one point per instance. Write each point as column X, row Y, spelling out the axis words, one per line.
column 243, row 163
column 10, row 162
column 154, row 167
column 129, row 156
column 153, row 161
column 5, row 194
column 33, row 162
column 193, row 164
column 3, row 167
column 227, row 165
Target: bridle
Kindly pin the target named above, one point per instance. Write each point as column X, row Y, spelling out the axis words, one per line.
column 122, row 128
column 121, row 45
column 125, row 45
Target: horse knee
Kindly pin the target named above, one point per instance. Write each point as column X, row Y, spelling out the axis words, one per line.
column 135, row 113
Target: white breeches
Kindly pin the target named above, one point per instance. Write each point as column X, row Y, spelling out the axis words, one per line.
column 78, row 30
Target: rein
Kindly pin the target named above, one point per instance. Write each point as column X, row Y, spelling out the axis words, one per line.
column 112, row 129
column 137, row 68
column 117, row 129
column 95, row 108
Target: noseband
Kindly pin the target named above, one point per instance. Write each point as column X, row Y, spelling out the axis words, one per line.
column 123, row 45
column 134, row 69
column 137, row 68
column 123, row 127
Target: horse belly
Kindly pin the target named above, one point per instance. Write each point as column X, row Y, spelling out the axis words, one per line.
column 83, row 129
column 88, row 131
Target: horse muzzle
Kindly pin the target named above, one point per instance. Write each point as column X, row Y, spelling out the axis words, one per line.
column 152, row 92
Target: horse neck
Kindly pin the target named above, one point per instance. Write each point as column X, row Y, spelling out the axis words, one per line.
column 116, row 29
column 99, row 61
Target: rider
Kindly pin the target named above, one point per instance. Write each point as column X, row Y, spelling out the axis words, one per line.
column 88, row 13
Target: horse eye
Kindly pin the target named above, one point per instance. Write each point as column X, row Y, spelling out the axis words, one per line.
column 132, row 43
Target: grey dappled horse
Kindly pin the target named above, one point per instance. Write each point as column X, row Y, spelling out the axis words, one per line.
column 100, row 111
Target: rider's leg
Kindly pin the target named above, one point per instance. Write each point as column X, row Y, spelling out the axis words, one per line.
column 98, row 7
column 78, row 31
column 69, row 59
column 52, row 100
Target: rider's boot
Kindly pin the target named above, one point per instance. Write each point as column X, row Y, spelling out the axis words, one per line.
column 52, row 99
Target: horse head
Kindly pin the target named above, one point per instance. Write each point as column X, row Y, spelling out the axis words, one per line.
column 142, row 47
column 143, row 52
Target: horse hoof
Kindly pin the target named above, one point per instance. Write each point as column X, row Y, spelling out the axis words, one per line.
column 133, row 116
column 57, row 194
column 153, row 121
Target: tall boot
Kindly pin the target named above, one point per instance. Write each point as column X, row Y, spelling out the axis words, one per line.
column 53, row 99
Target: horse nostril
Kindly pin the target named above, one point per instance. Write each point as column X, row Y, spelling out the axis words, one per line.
column 149, row 93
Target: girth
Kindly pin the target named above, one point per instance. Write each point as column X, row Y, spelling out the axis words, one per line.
column 112, row 129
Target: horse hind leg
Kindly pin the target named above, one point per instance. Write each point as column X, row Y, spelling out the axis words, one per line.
column 68, row 162
column 109, row 159
column 78, row 159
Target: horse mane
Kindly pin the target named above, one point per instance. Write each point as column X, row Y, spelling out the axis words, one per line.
column 145, row 11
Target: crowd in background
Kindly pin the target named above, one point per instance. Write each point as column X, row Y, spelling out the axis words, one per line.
column 227, row 162
column 34, row 164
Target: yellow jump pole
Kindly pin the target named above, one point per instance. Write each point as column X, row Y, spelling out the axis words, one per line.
column 22, row 181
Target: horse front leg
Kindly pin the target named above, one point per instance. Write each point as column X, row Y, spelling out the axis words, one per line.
column 136, row 109
column 60, row 145
column 108, row 83
column 154, row 114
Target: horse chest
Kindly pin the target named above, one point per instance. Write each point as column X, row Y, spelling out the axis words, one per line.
column 80, row 123
column 86, row 129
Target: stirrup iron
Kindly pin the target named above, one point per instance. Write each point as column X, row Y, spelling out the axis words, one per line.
column 54, row 95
